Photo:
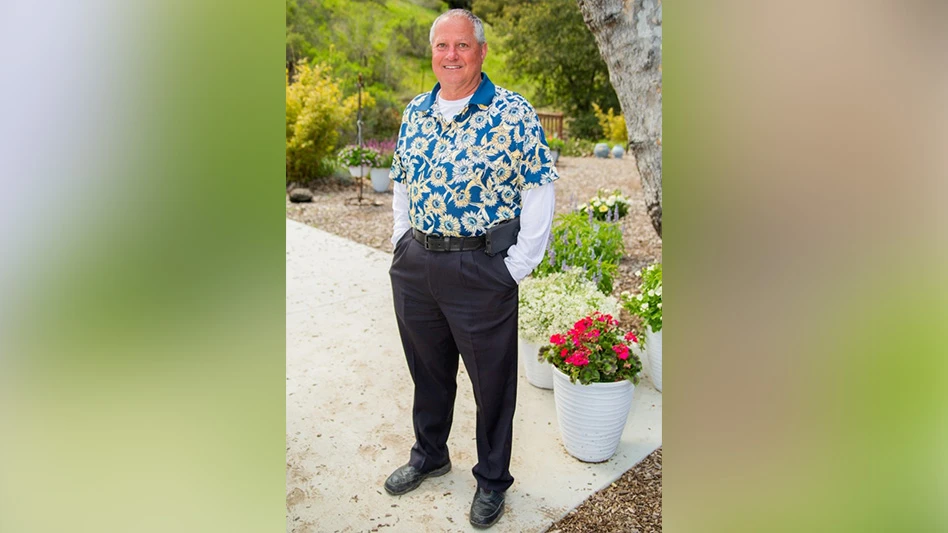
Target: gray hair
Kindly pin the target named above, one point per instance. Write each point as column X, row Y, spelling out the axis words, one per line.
column 460, row 13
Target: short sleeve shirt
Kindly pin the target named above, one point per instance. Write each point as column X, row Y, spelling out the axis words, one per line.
column 467, row 174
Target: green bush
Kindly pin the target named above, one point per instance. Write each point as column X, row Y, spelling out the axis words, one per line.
column 315, row 111
column 578, row 148
column 578, row 240
column 647, row 304
column 584, row 126
column 613, row 126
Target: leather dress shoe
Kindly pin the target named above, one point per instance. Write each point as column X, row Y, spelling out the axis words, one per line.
column 407, row 478
column 487, row 508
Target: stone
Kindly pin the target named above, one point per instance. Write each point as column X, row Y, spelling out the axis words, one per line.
column 601, row 150
column 301, row 195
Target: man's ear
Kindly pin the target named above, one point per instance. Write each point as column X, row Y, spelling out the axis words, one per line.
column 483, row 51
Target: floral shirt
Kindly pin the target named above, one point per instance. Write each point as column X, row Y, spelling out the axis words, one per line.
column 466, row 175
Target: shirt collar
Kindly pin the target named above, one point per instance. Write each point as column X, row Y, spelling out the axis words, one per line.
column 482, row 96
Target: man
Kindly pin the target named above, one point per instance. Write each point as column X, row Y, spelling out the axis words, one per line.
column 471, row 166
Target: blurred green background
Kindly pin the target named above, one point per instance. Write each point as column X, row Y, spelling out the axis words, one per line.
column 142, row 340
column 141, row 321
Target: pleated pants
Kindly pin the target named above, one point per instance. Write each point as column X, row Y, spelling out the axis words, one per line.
column 451, row 303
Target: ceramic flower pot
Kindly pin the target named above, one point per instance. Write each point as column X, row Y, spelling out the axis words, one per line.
column 360, row 172
column 653, row 346
column 380, row 179
column 539, row 373
column 591, row 417
column 601, row 150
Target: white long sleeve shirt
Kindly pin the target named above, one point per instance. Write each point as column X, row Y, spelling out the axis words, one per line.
column 536, row 217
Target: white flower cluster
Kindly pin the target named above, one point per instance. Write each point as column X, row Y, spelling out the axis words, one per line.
column 553, row 303
column 648, row 303
column 601, row 204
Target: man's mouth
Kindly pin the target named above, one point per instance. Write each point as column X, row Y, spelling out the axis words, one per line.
column 452, row 67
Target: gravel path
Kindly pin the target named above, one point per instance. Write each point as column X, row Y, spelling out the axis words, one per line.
column 634, row 502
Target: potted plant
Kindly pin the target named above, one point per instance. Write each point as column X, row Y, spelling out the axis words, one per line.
column 359, row 160
column 380, row 174
column 594, row 374
column 383, row 166
column 647, row 305
column 606, row 206
column 580, row 241
column 556, row 147
column 550, row 304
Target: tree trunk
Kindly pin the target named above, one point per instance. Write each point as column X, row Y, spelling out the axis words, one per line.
column 629, row 36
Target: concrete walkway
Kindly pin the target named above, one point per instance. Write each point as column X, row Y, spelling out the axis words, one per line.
column 348, row 413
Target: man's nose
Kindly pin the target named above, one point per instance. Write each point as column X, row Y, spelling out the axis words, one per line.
column 452, row 52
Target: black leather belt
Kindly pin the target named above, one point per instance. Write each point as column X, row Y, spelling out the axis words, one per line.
column 437, row 243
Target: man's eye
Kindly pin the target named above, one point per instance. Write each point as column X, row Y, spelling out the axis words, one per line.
column 462, row 45
column 440, row 45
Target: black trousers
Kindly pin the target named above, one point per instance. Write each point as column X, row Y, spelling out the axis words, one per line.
column 448, row 303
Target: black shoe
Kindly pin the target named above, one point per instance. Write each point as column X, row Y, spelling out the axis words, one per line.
column 407, row 478
column 486, row 508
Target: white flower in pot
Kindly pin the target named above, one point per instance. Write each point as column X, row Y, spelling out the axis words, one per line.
column 647, row 305
column 552, row 304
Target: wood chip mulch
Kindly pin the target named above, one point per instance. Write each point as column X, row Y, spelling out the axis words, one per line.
column 632, row 504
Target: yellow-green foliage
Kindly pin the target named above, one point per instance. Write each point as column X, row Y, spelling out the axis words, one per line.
column 613, row 126
column 315, row 110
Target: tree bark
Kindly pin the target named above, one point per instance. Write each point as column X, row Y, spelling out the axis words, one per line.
column 629, row 36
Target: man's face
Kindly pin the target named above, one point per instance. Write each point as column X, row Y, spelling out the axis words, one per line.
column 456, row 56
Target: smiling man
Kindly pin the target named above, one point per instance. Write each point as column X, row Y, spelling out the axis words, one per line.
column 473, row 206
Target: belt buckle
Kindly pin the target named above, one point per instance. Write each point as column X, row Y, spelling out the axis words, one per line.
column 427, row 242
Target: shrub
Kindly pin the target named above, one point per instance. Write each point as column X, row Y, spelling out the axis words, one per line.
column 613, row 126
column 605, row 206
column 578, row 148
column 315, row 111
column 584, row 126
column 552, row 303
column 580, row 241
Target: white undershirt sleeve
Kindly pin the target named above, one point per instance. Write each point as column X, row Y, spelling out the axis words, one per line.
column 400, row 212
column 536, row 218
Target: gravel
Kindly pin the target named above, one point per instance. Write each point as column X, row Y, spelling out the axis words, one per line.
column 634, row 502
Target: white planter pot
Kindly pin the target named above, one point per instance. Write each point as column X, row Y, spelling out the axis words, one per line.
column 360, row 172
column 539, row 373
column 555, row 154
column 591, row 417
column 380, row 179
column 653, row 346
